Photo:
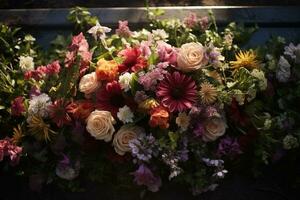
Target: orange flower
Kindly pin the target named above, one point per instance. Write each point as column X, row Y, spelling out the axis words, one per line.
column 80, row 109
column 159, row 117
column 106, row 70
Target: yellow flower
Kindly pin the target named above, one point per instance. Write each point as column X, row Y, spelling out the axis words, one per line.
column 148, row 104
column 183, row 121
column 246, row 59
column 17, row 135
column 215, row 75
column 208, row 93
column 40, row 130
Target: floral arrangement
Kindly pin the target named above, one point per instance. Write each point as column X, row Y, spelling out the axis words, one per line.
column 180, row 101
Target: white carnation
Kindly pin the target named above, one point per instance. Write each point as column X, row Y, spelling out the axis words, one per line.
column 283, row 72
column 125, row 114
column 159, row 34
column 124, row 81
column 38, row 105
column 26, row 63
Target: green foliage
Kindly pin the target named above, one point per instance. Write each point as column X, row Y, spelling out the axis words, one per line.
column 81, row 18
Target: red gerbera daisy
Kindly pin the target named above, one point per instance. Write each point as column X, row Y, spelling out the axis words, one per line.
column 133, row 61
column 59, row 113
column 177, row 92
column 111, row 98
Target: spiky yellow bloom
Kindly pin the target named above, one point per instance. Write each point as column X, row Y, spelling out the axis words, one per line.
column 148, row 104
column 246, row 59
column 208, row 93
column 40, row 130
column 17, row 135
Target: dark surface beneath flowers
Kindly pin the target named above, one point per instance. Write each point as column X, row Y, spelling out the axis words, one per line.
column 274, row 184
column 134, row 3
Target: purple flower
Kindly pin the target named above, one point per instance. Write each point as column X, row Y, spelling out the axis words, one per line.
column 144, row 147
column 123, row 30
column 199, row 130
column 65, row 169
column 144, row 176
column 140, row 96
column 166, row 53
column 34, row 91
column 17, row 106
column 229, row 146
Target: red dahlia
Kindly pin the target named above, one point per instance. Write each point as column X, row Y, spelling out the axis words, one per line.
column 133, row 61
column 110, row 98
column 177, row 92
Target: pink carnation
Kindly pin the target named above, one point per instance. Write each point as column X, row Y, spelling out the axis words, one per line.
column 53, row 68
column 166, row 53
column 7, row 148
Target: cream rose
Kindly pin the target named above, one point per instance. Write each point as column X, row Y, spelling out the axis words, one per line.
column 89, row 83
column 123, row 136
column 191, row 57
column 100, row 125
column 214, row 127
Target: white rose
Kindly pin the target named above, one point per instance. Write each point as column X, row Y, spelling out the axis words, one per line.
column 100, row 125
column 214, row 127
column 123, row 136
column 191, row 57
column 26, row 63
column 89, row 83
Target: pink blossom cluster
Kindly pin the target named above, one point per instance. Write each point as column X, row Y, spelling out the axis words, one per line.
column 150, row 79
column 192, row 21
column 41, row 71
column 7, row 148
column 123, row 29
column 79, row 46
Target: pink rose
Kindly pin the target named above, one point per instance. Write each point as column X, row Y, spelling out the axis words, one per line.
column 89, row 83
column 191, row 57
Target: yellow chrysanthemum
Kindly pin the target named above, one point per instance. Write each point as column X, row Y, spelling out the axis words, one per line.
column 246, row 59
column 148, row 104
column 40, row 130
column 208, row 93
column 17, row 135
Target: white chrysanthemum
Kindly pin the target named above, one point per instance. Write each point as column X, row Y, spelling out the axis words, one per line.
column 159, row 34
column 261, row 77
column 26, row 63
column 283, row 72
column 124, row 81
column 99, row 31
column 183, row 121
column 38, row 105
column 125, row 115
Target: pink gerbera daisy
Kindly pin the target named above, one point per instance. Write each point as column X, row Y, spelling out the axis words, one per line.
column 178, row 92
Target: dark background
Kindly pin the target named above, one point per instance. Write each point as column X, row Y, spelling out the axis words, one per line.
column 135, row 3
